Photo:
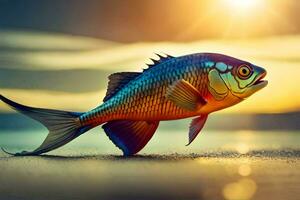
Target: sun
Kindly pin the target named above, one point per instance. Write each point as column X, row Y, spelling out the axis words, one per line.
column 242, row 5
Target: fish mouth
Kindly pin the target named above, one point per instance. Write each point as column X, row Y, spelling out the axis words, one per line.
column 259, row 80
column 256, row 85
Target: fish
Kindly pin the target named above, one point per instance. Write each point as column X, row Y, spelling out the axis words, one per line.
column 171, row 88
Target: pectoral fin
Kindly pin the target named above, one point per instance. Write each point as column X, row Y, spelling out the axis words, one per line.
column 185, row 95
column 195, row 127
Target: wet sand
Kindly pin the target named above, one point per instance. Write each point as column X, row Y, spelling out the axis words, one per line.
column 263, row 174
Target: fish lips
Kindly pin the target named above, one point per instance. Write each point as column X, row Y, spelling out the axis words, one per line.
column 259, row 83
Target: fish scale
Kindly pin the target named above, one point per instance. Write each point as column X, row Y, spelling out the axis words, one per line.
column 146, row 94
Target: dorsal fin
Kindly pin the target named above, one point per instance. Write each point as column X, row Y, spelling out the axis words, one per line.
column 160, row 60
column 118, row 81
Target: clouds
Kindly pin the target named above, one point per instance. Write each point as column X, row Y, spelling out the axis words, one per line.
column 70, row 80
column 69, row 72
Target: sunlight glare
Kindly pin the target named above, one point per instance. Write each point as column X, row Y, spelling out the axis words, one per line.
column 242, row 4
column 242, row 148
column 242, row 189
column 244, row 170
column 245, row 8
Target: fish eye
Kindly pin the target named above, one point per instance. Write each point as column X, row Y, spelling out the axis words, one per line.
column 244, row 71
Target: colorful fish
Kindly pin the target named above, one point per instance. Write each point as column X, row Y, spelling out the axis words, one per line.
column 172, row 88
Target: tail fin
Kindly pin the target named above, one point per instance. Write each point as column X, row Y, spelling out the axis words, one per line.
column 63, row 126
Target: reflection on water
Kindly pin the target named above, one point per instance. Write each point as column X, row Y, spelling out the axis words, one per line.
column 242, row 148
column 244, row 189
column 244, row 170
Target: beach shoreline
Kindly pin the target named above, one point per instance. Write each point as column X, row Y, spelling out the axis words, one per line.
column 210, row 175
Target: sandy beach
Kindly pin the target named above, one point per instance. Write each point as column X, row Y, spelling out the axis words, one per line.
column 210, row 175
column 239, row 165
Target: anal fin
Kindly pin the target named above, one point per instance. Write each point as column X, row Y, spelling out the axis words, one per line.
column 130, row 136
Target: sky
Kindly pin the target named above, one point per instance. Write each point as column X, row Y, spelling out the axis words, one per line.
column 154, row 20
column 58, row 55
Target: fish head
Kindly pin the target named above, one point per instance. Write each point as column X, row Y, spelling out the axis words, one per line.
column 245, row 79
column 232, row 80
